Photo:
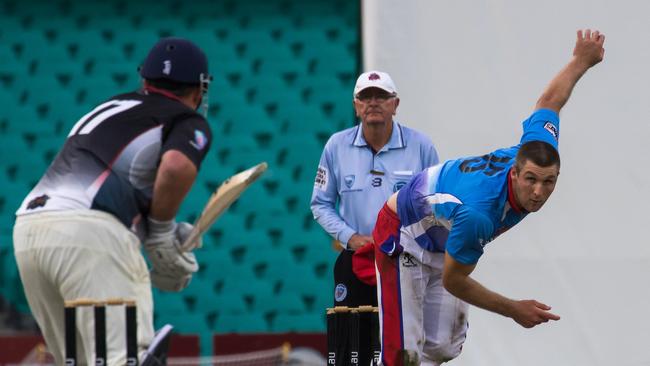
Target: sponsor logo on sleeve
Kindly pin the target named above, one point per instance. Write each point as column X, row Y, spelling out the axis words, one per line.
column 199, row 141
column 552, row 129
column 321, row 178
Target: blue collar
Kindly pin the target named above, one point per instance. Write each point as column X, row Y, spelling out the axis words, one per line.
column 396, row 140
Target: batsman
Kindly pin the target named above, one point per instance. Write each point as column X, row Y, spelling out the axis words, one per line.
column 430, row 235
column 117, row 182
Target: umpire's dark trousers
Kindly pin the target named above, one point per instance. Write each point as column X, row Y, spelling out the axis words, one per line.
column 350, row 291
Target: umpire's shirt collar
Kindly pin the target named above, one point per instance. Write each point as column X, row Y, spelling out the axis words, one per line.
column 396, row 140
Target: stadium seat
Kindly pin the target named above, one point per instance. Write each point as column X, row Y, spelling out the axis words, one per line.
column 159, row 9
column 256, row 197
column 125, row 71
column 274, row 224
column 308, row 322
column 200, row 291
column 167, row 303
column 244, row 158
column 94, row 9
column 301, row 119
column 106, row 86
column 283, row 78
column 302, row 162
column 184, row 323
column 276, row 24
column 23, row 120
column 286, row 303
column 7, row 55
column 241, row 323
column 223, row 148
column 218, row 268
column 244, row 286
column 89, row 45
column 229, row 304
column 252, row 120
column 279, row 266
column 194, row 202
column 306, row 284
column 34, row 46
column 220, row 25
column 38, row 9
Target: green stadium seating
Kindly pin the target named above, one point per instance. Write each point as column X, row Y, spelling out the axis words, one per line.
column 277, row 269
column 38, row 9
column 274, row 304
column 308, row 322
column 168, row 303
column 165, row 25
column 23, row 120
column 184, row 323
column 255, row 198
column 230, row 304
column 301, row 119
column 90, row 45
column 272, row 22
column 93, row 90
column 96, row 9
column 152, row 9
column 245, row 242
column 124, row 70
column 245, row 286
column 241, row 323
column 284, row 72
column 219, row 24
column 6, row 53
column 218, row 266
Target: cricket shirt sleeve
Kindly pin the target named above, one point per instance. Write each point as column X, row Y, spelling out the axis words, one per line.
column 192, row 137
column 324, row 199
column 542, row 125
column 471, row 230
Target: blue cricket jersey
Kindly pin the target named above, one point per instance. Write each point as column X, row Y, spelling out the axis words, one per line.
column 461, row 205
column 359, row 181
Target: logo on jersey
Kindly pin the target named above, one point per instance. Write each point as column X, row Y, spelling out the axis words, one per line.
column 167, row 67
column 408, row 261
column 199, row 141
column 37, row 202
column 340, row 292
column 552, row 129
column 321, row 178
column 349, row 180
column 399, row 185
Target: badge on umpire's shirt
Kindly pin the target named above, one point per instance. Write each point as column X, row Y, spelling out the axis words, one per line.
column 340, row 292
column 349, row 180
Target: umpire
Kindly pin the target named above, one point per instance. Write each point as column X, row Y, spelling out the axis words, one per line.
column 117, row 182
column 359, row 169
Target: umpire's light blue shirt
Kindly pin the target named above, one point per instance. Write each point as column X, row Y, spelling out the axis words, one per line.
column 360, row 182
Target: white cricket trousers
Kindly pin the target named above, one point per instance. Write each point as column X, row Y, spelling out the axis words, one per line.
column 66, row 255
column 420, row 322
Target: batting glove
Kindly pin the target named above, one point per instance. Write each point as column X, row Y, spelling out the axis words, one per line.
column 163, row 249
column 169, row 283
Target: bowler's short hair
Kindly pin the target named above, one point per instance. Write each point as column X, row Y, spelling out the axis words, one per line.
column 540, row 153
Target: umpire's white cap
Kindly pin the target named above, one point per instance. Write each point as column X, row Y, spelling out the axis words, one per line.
column 375, row 79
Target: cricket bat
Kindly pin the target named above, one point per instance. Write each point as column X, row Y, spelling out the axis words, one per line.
column 220, row 200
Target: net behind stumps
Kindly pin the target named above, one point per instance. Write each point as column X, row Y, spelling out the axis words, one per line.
column 271, row 357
